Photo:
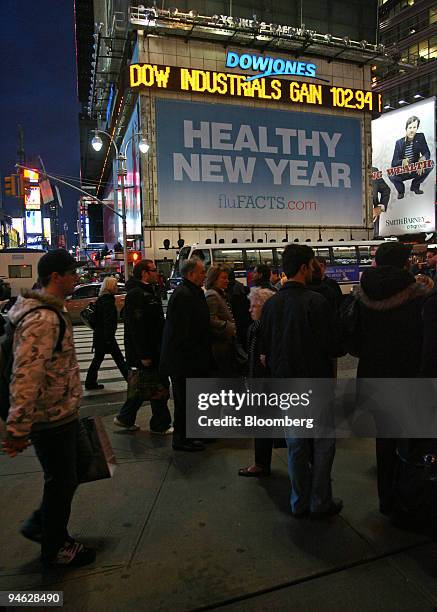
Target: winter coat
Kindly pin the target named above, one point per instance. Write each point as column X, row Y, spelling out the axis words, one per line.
column 237, row 296
column 256, row 368
column 106, row 322
column 223, row 333
column 300, row 336
column 143, row 323
column 389, row 323
column 186, row 343
column 45, row 388
column 428, row 367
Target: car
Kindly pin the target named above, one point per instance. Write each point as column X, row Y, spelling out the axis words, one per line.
column 85, row 294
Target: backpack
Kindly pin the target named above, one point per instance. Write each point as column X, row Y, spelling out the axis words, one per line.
column 7, row 356
column 89, row 315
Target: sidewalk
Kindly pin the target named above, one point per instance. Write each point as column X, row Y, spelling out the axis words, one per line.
column 178, row 531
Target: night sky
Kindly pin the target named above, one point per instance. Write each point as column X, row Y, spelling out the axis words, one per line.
column 39, row 91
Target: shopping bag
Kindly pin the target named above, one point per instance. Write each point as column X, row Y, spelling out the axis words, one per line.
column 96, row 459
column 146, row 384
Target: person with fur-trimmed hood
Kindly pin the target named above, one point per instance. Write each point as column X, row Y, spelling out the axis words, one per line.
column 388, row 337
column 45, row 393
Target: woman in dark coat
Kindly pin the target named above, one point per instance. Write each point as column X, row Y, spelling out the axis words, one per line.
column 263, row 446
column 104, row 340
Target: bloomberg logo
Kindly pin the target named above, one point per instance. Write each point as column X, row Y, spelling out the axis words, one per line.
column 269, row 66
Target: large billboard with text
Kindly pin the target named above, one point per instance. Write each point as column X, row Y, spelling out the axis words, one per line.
column 403, row 161
column 222, row 164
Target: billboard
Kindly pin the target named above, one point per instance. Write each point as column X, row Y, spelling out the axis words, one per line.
column 222, row 164
column 403, row 164
column 132, row 179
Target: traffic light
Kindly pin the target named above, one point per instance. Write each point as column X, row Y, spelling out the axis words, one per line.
column 23, row 184
column 11, row 185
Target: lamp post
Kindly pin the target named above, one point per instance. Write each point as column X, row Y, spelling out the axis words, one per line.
column 97, row 144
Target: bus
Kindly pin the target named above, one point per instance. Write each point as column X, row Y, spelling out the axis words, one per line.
column 19, row 268
column 345, row 259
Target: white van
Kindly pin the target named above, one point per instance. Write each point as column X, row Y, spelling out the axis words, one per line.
column 19, row 268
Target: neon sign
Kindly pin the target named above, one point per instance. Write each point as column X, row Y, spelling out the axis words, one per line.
column 269, row 66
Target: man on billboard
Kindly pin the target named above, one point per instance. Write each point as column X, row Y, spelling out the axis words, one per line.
column 410, row 149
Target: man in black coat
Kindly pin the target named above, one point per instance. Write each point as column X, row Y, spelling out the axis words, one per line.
column 300, row 340
column 410, row 149
column 186, row 345
column 143, row 326
column 389, row 338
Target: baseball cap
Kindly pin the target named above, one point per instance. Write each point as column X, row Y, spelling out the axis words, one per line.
column 58, row 260
column 392, row 254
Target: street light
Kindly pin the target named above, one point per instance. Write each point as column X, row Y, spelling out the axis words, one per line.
column 144, row 146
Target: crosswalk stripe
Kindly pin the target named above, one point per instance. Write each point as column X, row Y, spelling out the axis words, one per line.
column 109, row 374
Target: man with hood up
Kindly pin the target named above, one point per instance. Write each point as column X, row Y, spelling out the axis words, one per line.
column 389, row 337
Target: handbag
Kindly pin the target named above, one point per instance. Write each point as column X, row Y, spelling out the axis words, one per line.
column 146, row 384
column 96, row 459
column 89, row 315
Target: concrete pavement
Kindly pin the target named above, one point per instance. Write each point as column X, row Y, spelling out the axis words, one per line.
column 176, row 531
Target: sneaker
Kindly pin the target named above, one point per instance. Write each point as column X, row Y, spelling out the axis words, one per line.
column 335, row 507
column 95, row 387
column 72, row 554
column 127, row 427
column 31, row 532
column 168, row 431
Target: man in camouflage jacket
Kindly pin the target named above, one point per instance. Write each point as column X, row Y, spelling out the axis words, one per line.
column 45, row 393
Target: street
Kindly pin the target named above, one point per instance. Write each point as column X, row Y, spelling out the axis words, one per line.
column 180, row 531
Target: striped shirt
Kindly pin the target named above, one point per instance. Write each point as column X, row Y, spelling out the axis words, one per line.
column 409, row 151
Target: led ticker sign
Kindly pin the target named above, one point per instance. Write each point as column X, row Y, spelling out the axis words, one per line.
column 269, row 66
column 223, row 84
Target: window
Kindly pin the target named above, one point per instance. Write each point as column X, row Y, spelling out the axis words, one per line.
column 230, row 257
column 433, row 47
column 367, row 254
column 266, row 256
column 432, row 15
column 323, row 253
column 344, row 255
column 89, row 291
column 23, row 271
column 183, row 255
column 202, row 254
column 255, row 257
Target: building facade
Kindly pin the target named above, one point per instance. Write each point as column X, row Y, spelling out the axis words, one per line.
column 230, row 159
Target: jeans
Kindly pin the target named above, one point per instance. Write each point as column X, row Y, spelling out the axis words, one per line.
column 161, row 417
column 58, row 451
column 416, row 180
column 114, row 350
column 309, row 466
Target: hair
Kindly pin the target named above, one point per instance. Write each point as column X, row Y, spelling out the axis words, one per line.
column 140, row 267
column 109, row 285
column 259, row 295
column 321, row 259
column 264, row 271
column 213, row 274
column 392, row 254
column 317, row 270
column 412, row 119
column 44, row 281
column 294, row 257
column 188, row 266
column 275, row 271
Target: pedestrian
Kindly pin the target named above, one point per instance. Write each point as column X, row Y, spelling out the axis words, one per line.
column 330, row 282
column 390, row 303
column 143, row 327
column 319, row 285
column 222, row 324
column 263, row 446
column 237, row 297
column 261, row 277
column 45, row 393
column 104, row 341
column 275, row 278
column 300, row 340
column 186, row 346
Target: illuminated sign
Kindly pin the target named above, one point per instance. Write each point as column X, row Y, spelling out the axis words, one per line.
column 269, row 66
column 32, row 198
column 223, row 84
column 32, row 175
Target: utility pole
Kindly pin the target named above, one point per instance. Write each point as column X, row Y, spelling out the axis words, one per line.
column 21, row 161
